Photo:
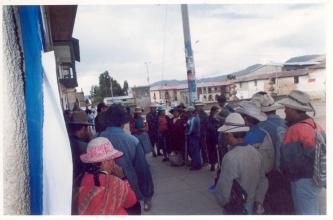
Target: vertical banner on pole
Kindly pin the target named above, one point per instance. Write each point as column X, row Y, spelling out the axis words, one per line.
column 189, row 56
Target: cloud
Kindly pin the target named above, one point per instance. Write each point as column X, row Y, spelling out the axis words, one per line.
column 121, row 38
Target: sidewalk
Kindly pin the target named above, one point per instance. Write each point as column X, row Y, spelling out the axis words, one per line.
column 179, row 191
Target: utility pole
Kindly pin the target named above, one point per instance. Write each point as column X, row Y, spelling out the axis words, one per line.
column 192, row 87
column 147, row 71
column 111, row 86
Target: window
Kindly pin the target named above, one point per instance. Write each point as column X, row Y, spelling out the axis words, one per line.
column 209, row 90
column 240, row 85
column 296, row 80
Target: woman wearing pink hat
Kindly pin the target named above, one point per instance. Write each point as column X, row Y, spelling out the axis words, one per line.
column 103, row 190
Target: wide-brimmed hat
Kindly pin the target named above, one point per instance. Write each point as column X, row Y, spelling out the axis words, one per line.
column 79, row 118
column 115, row 115
column 234, row 122
column 266, row 102
column 251, row 109
column 190, row 109
column 138, row 110
column 298, row 100
column 100, row 149
column 199, row 103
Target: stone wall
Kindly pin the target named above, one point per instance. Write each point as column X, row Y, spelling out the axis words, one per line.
column 16, row 195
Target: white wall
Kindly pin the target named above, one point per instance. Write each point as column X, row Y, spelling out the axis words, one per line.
column 16, row 193
column 314, row 84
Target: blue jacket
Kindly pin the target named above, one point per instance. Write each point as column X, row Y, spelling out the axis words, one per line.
column 193, row 126
column 134, row 163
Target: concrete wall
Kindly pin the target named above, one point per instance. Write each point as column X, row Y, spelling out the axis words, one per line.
column 314, row 84
column 249, row 88
column 16, row 195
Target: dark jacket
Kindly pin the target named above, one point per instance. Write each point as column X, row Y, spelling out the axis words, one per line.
column 298, row 149
column 78, row 147
column 177, row 134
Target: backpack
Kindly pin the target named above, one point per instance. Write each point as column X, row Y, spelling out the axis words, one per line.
column 319, row 171
column 319, row 164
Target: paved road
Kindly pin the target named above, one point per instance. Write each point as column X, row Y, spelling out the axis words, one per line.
column 179, row 191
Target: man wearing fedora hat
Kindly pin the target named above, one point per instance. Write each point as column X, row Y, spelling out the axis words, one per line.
column 242, row 163
column 256, row 136
column 298, row 153
column 79, row 136
column 133, row 163
column 278, row 199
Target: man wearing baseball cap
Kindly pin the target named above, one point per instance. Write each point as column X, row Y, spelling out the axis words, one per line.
column 298, row 153
column 242, row 163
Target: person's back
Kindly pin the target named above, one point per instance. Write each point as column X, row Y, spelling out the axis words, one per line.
column 132, row 154
column 110, row 198
column 244, row 164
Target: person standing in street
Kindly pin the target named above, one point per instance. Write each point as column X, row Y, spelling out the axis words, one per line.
column 104, row 189
column 163, row 127
column 303, row 160
column 199, row 107
column 242, row 163
column 152, row 121
column 177, row 137
column 101, row 109
column 139, row 128
column 193, row 138
column 212, row 137
column 278, row 199
column 224, row 111
column 133, row 163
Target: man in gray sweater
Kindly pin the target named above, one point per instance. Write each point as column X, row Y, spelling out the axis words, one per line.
column 242, row 163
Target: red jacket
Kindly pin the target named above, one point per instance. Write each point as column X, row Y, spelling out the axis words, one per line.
column 111, row 198
column 298, row 150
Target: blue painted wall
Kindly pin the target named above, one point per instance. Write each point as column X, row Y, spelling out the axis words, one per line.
column 31, row 23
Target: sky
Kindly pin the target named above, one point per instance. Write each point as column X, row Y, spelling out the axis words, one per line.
column 131, row 41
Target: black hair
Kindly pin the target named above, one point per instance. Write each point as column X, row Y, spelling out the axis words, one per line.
column 221, row 99
column 213, row 109
column 116, row 115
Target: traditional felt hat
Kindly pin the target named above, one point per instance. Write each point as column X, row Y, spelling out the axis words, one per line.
column 79, row 118
column 251, row 109
column 234, row 122
column 266, row 102
column 298, row 100
column 100, row 149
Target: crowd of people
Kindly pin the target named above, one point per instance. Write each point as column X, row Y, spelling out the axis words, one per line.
column 278, row 164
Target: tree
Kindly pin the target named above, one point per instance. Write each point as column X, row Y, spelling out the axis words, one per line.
column 98, row 93
column 125, row 87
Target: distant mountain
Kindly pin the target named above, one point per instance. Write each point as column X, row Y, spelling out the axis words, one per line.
column 169, row 82
column 211, row 79
column 305, row 58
